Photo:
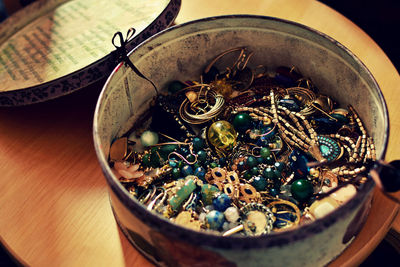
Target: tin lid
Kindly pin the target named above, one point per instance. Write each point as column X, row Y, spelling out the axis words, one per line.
column 52, row 48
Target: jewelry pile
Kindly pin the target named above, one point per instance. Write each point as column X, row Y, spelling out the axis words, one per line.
column 233, row 153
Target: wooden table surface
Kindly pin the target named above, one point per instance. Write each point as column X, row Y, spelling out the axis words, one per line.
column 54, row 206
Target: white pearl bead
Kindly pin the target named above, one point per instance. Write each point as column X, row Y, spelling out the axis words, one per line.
column 320, row 208
column 202, row 217
column 231, row 214
column 344, row 194
column 149, row 138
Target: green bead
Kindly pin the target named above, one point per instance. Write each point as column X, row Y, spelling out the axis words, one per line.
column 146, row 160
column 208, row 193
column 176, row 173
column 175, row 86
column 265, row 152
column 196, row 165
column 190, row 158
column 277, row 174
column 222, row 161
column 182, row 194
column 269, row 160
column 302, row 190
column 201, row 156
column 198, row 143
column 259, row 183
column 166, row 150
column 213, row 164
column 242, row 122
column 279, row 166
column 269, row 173
column 251, row 162
column 155, row 160
column 254, row 171
column 247, row 175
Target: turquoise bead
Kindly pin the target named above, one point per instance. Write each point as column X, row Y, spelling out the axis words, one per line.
column 242, row 122
column 173, row 163
column 182, row 194
column 265, row 152
column 215, row 219
column 198, row 143
column 259, row 183
column 251, row 162
column 329, row 148
column 302, row 190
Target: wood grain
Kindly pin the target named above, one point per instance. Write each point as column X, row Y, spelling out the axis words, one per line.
column 54, row 206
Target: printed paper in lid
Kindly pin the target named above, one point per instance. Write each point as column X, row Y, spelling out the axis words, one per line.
column 52, row 48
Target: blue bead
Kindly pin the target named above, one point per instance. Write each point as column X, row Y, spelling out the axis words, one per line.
column 215, row 219
column 200, row 172
column 289, row 104
column 222, row 202
column 187, row 170
column 298, row 163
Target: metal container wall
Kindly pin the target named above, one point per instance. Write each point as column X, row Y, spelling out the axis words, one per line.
column 180, row 53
